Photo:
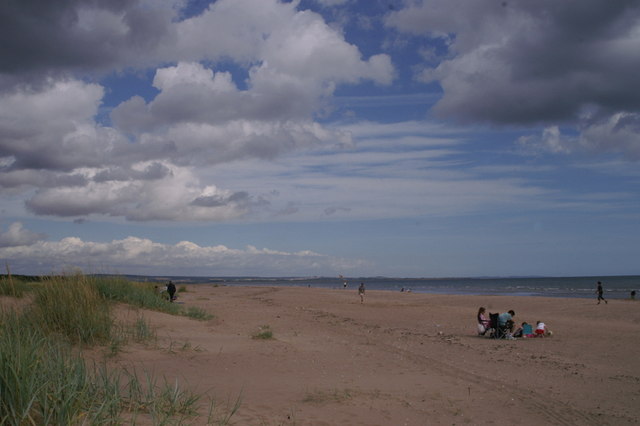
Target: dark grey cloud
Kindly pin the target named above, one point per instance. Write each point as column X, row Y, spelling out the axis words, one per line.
column 240, row 197
column 46, row 36
column 154, row 171
column 40, row 178
column 524, row 62
column 155, row 192
column 64, row 202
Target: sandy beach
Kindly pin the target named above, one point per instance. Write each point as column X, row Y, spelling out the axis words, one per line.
column 398, row 358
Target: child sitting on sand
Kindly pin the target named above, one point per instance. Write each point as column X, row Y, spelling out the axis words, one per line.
column 520, row 331
column 541, row 329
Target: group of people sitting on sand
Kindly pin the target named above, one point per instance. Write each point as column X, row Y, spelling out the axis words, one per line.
column 503, row 326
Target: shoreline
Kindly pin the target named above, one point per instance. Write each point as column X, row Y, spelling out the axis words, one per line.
column 610, row 294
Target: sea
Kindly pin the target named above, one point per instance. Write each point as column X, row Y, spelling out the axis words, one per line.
column 615, row 287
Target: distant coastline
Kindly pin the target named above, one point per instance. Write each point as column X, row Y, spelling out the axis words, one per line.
column 616, row 287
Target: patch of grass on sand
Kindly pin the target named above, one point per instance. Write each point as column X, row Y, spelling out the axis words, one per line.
column 264, row 333
column 196, row 313
column 140, row 332
column 324, row 397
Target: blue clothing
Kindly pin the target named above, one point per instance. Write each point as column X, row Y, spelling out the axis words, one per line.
column 503, row 318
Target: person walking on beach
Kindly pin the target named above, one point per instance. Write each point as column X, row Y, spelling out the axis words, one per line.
column 361, row 292
column 600, row 291
column 171, row 289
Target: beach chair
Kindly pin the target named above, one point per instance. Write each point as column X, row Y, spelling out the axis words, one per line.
column 497, row 332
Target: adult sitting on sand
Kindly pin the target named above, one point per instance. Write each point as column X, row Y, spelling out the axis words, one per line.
column 505, row 320
column 483, row 322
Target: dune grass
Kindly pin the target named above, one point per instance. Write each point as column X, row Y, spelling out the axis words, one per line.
column 41, row 380
column 141, row 295
column 73, row 307
column 121, row 334
column 13, row 286
column 196, row 313
column 44, row 378
column 144, row 295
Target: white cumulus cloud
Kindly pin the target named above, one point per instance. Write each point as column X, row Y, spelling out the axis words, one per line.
column 135, row 255
column 16, row 235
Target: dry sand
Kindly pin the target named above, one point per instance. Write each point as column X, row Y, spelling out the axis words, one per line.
column 399, row 358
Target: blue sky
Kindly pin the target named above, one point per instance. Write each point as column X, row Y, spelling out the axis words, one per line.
column 433, row 138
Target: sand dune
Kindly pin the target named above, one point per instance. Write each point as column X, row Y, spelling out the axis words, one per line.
column 399, row 359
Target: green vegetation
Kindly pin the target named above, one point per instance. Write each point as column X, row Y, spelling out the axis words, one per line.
column 73, row 307
column 15, row 286
column 45, row 380
column 264, row 332
column 196, row 313
column 141, row 295
column 121, row 335
column 323, row 397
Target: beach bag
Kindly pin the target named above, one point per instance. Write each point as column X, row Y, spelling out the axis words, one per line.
column 481, row 329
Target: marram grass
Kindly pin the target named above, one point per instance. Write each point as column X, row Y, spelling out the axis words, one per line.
column 73, row 307
column 41, row 380
column 13, row 286
column 45, row 380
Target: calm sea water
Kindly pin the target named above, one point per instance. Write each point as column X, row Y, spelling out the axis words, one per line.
column 615, row 287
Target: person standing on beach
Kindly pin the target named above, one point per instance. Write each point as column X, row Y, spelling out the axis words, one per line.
column 600, row 291
column 344, row 282
column 171, row 289
column 361, row 292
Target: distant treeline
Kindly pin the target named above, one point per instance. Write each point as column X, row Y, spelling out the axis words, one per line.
column 26, row 278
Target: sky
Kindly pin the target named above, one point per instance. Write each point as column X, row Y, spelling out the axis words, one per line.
column 417, row 138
